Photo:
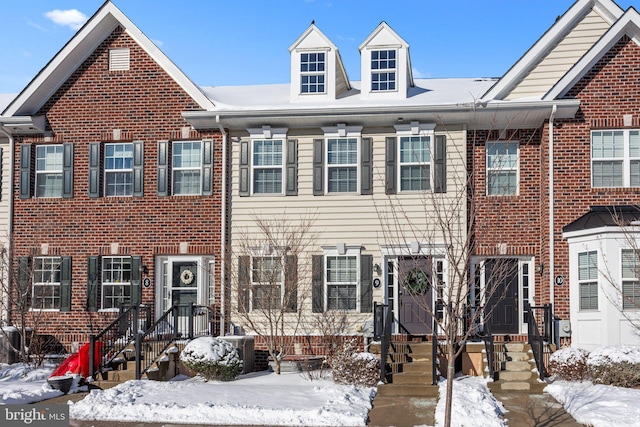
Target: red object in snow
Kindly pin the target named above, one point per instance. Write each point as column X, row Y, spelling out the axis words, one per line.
column 78, row 363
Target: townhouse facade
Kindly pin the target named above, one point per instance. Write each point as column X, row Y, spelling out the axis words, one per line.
column 325, row 196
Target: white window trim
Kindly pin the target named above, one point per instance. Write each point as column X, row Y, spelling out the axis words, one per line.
column 191, row 168
column 338, row 132
column 324, row 73
column 42, row 284
column 103, row 283
column 39, row 172
column 626, row 157
column 263, row 134
column 415, row 129
column 395, row 70
column 279, row 256
column 107, row 171
column 342, row 250
column 581, row 281
column 488, row 170
column 623, row 279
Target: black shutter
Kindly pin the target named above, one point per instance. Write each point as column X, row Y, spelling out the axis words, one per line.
column 318, row 167
column 163, row 168
column 390, row 166
column 366, row 281
column 138, row 169
column 291, row 283
column 440, row 164
column 366, row 167
column 207, row 167
column 67, row 170
column 25, row 171
column 292, row 168
column 95, row 155
column 93, row 282
column 65, row 284
column 317, row 283
column 243, row 189
column 244, row 282
column 136, row 280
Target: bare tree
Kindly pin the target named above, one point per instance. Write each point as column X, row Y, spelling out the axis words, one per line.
column 272, row 280
column 435, row 232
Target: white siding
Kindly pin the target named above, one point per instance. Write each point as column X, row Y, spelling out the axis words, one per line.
column 561, row 58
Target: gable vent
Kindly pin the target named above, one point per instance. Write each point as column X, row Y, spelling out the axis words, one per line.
column 119, row 60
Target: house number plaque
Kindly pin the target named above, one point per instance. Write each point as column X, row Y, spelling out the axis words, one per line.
column 146, row 282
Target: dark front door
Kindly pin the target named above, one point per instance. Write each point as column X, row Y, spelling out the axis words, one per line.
column 501, row 288
column 416, row 295
column 184, row 290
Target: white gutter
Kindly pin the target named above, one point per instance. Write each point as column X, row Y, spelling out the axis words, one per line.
column 10, row 207
column 223, row 246
column 551, row 211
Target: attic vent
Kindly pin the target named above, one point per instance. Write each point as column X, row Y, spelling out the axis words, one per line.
column 119, row 60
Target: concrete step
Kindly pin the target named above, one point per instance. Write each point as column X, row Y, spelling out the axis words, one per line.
column 518, row 376
column 417, row 367
column 517, row 366
column 417, row 379
column 519, row 356
column 520, row 347
column 407, row 390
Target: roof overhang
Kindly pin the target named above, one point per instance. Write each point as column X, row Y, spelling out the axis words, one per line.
column 23, row 125
column 486, row 115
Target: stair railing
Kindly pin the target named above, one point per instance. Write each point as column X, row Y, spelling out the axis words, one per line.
column 535, row 338
column 383, row 320
column 168, row 329
column 489, row 346
column 108, row 345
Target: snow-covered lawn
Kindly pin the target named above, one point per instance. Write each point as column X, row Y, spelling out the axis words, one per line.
column 292, row 399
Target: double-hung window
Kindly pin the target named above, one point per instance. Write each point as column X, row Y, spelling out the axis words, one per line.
column 342, row 282
column 383, row 70
column 312, row 72
column 415, row 163
column 502, row 168
column 116, row 282
column 267, row 166
column 342, row 165
column 49, row 170
column 267, row 282
column 630, row 280
column 615, row 158
column 46, row 283
column 118, row 169
column 588, row 280
column 187, row 167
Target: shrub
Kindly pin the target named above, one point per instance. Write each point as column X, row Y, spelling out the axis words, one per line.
column 617, row 366
column 569, row 364
column 213, row 358
column 354, row 368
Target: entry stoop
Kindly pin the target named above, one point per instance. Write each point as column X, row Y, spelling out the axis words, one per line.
column 519, row 372
column 409, row 397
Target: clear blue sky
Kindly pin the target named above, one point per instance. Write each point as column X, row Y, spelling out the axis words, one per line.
column 244, row 42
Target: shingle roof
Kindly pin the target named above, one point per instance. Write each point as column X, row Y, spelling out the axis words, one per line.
column 604, row 216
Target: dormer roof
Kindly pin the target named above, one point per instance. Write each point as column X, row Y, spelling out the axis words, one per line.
column 80, row 47
column 382, row 38
column 556, row 52
column 312, row 40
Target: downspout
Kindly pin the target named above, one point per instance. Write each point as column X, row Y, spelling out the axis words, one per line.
column 10, row 216
column 223, row 248
column 551, row 211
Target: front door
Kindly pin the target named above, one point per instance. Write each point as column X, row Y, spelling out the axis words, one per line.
column 415, row 295
column 501, row 287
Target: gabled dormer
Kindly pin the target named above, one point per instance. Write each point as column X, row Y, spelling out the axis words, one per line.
column 385, row 65
column 317, row 72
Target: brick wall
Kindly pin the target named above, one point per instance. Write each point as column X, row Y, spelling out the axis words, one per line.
column 142, row 104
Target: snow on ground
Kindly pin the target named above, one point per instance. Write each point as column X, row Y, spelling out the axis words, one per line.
column 292, row 399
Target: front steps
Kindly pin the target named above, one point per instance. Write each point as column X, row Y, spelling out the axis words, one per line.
column 519, row 371
column 123, row 368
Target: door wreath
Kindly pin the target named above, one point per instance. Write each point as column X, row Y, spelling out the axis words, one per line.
column 186, row 276
column 416, row 281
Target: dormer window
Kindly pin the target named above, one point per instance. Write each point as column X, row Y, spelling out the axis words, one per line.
column 383, row 70
column 312, row 72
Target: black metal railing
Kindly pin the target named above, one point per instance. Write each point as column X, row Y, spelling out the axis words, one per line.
column 108, row 346
column 489, row 346
column 383, row 321
column 537, row 337
column 179, row 322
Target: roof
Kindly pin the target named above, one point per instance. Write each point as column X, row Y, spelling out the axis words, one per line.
column 604, row 216
column 5, row 100
column 79, row 48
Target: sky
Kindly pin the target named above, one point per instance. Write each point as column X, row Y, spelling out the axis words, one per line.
column 245, row 42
